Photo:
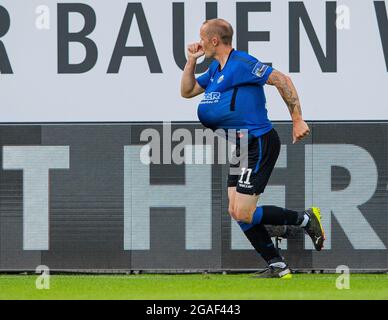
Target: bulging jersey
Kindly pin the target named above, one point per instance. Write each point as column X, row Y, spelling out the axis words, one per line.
column 234, row 96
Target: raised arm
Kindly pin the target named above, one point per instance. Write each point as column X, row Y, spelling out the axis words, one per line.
column 189, row 85
column 290, row 96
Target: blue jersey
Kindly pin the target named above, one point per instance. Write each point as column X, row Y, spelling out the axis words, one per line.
column 234, row 96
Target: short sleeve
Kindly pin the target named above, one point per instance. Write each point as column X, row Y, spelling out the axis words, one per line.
column 254, row 72
column 204, row 79
column 261, row 72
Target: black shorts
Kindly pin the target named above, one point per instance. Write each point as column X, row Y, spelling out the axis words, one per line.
column 262, row 154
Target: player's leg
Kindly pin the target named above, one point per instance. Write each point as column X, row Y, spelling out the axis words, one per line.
column 263, row 154
column 256, row 234
column 241, row 208
column 231, row 198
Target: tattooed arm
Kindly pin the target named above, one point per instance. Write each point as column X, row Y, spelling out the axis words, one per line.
column 288, row 92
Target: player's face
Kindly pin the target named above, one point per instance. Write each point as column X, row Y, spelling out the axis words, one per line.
column 206, row 44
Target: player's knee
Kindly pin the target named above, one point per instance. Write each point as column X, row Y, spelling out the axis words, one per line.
column 232, row 212
column 242, row 215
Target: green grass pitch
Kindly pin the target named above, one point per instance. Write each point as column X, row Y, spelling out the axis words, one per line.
column 193, row 286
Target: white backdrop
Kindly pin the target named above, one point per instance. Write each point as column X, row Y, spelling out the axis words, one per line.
column 35, row 92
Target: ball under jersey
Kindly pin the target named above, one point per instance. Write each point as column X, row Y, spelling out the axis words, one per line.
column 234, row 96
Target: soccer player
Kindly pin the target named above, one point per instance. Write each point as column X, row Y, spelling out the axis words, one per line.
column 235, row 99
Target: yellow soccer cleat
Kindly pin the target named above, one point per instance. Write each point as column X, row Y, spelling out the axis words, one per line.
column 314, row 228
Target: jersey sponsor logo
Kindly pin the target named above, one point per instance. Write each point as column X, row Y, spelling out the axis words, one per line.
column 211, row 97
column 259, row 69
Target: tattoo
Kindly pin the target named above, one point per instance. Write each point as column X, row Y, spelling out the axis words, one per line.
column 286, row 90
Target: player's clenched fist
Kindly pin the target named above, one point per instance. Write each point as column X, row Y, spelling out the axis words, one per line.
column 300, row 130
column 195, row 50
